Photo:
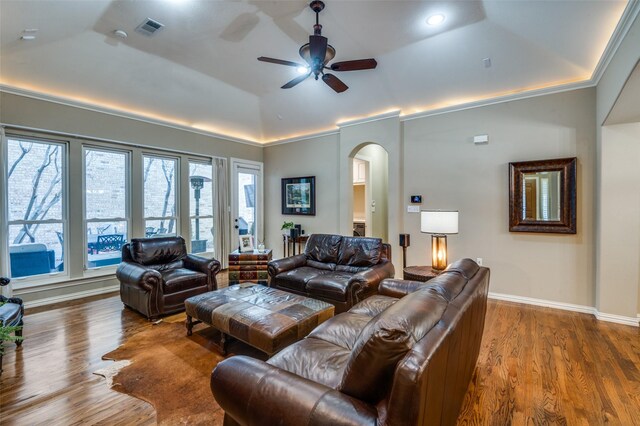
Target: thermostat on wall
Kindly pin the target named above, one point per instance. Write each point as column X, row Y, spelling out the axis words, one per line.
column 416, row 199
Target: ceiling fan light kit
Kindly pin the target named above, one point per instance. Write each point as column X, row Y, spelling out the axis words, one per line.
column 317, row 54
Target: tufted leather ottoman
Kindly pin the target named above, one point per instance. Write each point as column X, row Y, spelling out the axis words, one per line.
column 265, row 318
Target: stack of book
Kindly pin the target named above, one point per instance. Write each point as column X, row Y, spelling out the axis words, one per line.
column 249, row 267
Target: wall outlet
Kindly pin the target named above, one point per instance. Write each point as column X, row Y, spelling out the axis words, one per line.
column 479, row 261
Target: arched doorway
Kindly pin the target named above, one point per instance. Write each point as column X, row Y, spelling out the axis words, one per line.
column 370, row 204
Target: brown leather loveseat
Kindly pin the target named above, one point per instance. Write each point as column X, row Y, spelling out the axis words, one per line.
column 336, row 269
column 157, row 275
column 402, row 357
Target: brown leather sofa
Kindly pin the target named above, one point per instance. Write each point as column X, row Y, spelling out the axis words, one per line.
column 157, row 275
column 336, row 269
column 402, row 357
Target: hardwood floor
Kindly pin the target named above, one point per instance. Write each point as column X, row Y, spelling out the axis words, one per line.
column 536, row 366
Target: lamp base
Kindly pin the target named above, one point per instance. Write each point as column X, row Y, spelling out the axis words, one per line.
column 438, row 252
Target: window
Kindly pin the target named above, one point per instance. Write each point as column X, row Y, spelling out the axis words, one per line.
column 106, row 205
column 36, row 200
column 201, row 206
column 160, row 198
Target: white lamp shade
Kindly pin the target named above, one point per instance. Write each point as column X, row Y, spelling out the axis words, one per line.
column 439, row 222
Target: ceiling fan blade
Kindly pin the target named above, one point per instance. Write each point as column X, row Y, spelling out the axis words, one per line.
column 317, row 48
column 358, row 64
column 280, row 62
column 334, row 82
column 295, row 81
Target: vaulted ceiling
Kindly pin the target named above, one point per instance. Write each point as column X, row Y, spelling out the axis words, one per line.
column 201, row 70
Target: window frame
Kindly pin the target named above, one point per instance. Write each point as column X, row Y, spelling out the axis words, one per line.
column 176, row 182
column 101, row 270
column 208, row 163
column 6, row 222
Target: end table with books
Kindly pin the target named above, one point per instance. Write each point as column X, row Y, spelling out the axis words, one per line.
column 249, row 267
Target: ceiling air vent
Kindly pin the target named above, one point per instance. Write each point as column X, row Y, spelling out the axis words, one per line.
column 149, row 27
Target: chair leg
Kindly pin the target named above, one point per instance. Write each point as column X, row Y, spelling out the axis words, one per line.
column 18, row 333
column 189, row 325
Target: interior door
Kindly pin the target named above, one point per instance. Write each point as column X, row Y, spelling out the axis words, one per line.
column 246, row 202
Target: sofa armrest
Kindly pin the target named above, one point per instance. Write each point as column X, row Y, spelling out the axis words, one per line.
column 286, row 264
column 398, row 288
column 253, row 392
column 207, row 266
column 136, row 275
column 372, row 276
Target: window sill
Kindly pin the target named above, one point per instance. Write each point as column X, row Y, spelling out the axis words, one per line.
column 38, row 281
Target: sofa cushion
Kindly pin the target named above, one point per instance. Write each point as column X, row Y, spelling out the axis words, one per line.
column 332, row 285
column 359, row 251
column 385, row 340
column 177, row 280
column 157, row 251
column 313, row 359
column 342, row 330
column 372, row 306
column 296, row 279
column 320, row 265
column 323, row 248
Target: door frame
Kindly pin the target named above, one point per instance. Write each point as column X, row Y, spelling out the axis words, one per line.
column 233, row 184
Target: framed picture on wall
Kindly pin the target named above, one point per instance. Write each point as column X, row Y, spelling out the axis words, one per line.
column 246, row 243
column 299, row 195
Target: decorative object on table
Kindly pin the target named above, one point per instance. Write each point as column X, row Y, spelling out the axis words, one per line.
column 542, row 196
column 299, row 195
column 249, row 267
column 11, row 323
column 419, row 273
column 439, row 223
column 286, row 226
column 317, row 53
column 294, row 233
column 157, row 274
column 197, row 183
column 405, row 241
column 261, row 248
column 246, row 243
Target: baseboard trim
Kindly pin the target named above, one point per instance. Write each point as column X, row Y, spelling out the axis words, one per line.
column 618, row 319
column 71, row 296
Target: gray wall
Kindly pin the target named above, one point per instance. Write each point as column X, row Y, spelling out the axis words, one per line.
column 439, row 160
column 312, row 157
column 442, row 163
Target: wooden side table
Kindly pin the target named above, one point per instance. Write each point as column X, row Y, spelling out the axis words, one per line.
column 288, row 242
column 249, row 267
column 419, row 273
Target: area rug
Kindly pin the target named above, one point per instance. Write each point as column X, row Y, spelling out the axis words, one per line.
column 171, row 371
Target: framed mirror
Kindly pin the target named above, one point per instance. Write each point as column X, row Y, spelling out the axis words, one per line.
column 542, row 196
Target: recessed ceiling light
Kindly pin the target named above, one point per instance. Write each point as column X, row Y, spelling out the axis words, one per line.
column 436, row 19
column 303, row 70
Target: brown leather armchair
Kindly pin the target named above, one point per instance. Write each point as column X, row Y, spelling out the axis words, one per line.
column 336, row 269
column 402, row 357
column 157, row 275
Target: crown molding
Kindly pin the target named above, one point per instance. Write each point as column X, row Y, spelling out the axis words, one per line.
column 369, row 119
column 117, row 113
column 627, row 19
column 302, row 138
column 501, row 99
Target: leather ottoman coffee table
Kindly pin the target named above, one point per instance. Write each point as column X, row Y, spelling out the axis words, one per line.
column 266, row 318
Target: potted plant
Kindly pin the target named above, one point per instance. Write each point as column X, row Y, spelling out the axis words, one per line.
column 9, row 333
column 286, row 227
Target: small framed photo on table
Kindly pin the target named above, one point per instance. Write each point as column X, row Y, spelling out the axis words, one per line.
column 246, row 243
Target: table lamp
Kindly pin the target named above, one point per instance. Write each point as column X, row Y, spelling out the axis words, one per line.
column 439, row 223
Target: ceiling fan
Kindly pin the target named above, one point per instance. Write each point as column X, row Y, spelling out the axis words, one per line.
column 317, row 53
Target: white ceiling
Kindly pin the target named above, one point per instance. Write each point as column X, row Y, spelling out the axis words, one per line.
column 201, row 69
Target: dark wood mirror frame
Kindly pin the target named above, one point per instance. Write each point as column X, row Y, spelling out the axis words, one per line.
column 567, row 222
